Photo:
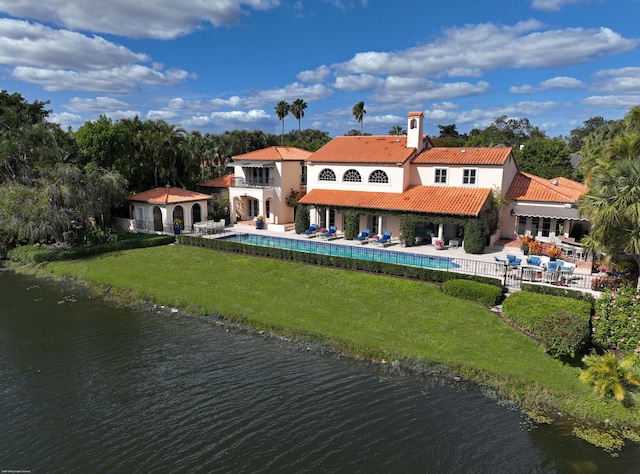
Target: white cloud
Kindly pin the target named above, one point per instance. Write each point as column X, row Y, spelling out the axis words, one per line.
column 560, row 82
column 624, row 80
column 31, row 44
column 486, row 46
column 318, row 74
column 613, row 101
column 162, row 19
column 358, row 82
column 555, row 5
column 117, row 80
column 66, row 120
column 101, row 104
column 411, row 92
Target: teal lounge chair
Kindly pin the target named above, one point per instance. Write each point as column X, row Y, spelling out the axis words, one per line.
column 330, row 234
column 384, row 240
column 363, row 237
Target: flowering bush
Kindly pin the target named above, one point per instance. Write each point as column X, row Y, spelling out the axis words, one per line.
column 563, row 333
column 616, row 321
column 526, row 239
column 439, row 243
column 603, row 269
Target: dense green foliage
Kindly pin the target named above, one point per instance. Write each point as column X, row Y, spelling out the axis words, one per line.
column 474, row 236
column 528, row 310
column 563, row 333
column 35, row 254
column 351, row 224
column 408, row 225
column 545, row 157
column 488, row 295
column 302, row 219
column 556, row 291
column 616, row 323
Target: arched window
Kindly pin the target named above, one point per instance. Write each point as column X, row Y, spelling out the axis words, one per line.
column 327, row 175
column 412, row 124
column 352, row 176
column 379, row 176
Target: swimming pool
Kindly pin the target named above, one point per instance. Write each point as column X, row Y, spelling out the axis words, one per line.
column 347, row 251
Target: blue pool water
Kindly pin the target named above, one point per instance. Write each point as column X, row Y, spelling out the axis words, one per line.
column 347, row 251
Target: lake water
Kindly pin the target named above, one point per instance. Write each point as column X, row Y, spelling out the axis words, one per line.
column 89, row 387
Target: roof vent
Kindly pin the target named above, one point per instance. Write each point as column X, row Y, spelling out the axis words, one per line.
column 463, row 151
column 554, row 182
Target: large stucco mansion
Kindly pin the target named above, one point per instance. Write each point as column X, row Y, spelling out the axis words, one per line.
column 384, row 177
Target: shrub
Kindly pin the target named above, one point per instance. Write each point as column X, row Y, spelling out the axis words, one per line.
column 615, row 324
column 563, row 333
column 474, row 236
column 528, row 310
column 613, row 282
column 351, row 225
column 556, row 291
column 611, row 376
column 302, row 221
column 488, row 295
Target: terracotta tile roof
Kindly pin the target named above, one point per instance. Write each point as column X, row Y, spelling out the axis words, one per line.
column 464, row 156
column 428, row 199
column 527, row 187
column 275, row 153
column 166, row 195
column 388, row 149
column 221, row 182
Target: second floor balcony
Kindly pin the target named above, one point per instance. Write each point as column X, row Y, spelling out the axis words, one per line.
column 261, row 183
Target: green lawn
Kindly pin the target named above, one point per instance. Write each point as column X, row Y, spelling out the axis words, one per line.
column 367, row 314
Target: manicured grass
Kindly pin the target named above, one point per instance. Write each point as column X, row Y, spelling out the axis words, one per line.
column 364, row 314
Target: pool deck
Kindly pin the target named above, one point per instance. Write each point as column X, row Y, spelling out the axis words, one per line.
column 500, row 251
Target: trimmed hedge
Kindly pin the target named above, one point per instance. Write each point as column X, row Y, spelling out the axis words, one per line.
column 529, row 310
column 557, row 291
column 35, row 254
column 416, row 273
column 488, row 295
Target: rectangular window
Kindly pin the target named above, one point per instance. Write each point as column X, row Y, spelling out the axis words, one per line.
column 441, row 176
column 546, row 226
column 267, row 208
column 469, row 176
column 522, row 225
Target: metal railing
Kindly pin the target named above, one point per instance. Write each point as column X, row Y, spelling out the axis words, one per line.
column 253, row 183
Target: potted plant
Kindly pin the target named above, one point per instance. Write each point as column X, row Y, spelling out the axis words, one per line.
column 554, row 252
column 177, row 226
column 535, row 248
column 260, row 222
column 439, row 243
column 525, row 240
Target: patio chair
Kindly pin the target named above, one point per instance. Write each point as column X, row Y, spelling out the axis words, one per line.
column 330, row 234
column 565, row 274
column 384, row 240
column 550, row 276
column 534, row 261
column 363, row 237
column 513, row 260
column 311, row 231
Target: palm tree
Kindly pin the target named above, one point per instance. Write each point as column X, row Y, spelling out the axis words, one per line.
column 282, row 110
column 397, row 130
column 358, row 112
column 610, row 375
column 297, row 110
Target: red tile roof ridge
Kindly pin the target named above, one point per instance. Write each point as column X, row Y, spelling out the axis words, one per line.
column 225, row 181
column 529, row 187
column 497, row 155
column 166, row 195
column 275, row 153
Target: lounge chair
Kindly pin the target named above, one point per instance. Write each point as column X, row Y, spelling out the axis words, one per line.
column 311, row 231
column 384, row 240
column 330, row 234
column 363, row 237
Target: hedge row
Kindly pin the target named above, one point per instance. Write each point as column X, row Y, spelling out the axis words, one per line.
column 425, row 274
column 529, row 310
column 488, row 295
column 35, row 254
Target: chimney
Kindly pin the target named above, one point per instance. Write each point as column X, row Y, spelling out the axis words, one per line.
column 414, row 131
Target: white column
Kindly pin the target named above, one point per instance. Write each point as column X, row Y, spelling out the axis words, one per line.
column 440, row 231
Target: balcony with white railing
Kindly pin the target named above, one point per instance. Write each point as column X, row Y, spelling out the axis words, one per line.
column 260, row 183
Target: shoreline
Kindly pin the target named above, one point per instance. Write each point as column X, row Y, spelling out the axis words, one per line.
column 540, row 404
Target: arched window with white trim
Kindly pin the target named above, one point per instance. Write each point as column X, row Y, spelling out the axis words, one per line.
column 327, row 175
column 379, row 177
column 352, row 176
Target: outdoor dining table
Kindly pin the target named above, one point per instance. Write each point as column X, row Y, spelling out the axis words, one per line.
column 530, row 272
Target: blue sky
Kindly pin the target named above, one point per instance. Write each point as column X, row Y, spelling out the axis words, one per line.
column 221, row 65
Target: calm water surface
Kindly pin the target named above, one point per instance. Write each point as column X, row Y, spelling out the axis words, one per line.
column 89, row 387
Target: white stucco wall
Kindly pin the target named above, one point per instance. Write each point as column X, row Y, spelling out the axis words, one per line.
column 396, row 175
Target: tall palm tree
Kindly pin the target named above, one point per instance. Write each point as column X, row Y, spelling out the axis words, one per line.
column 282, row 110
column 358, row 112
column 297, row 110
